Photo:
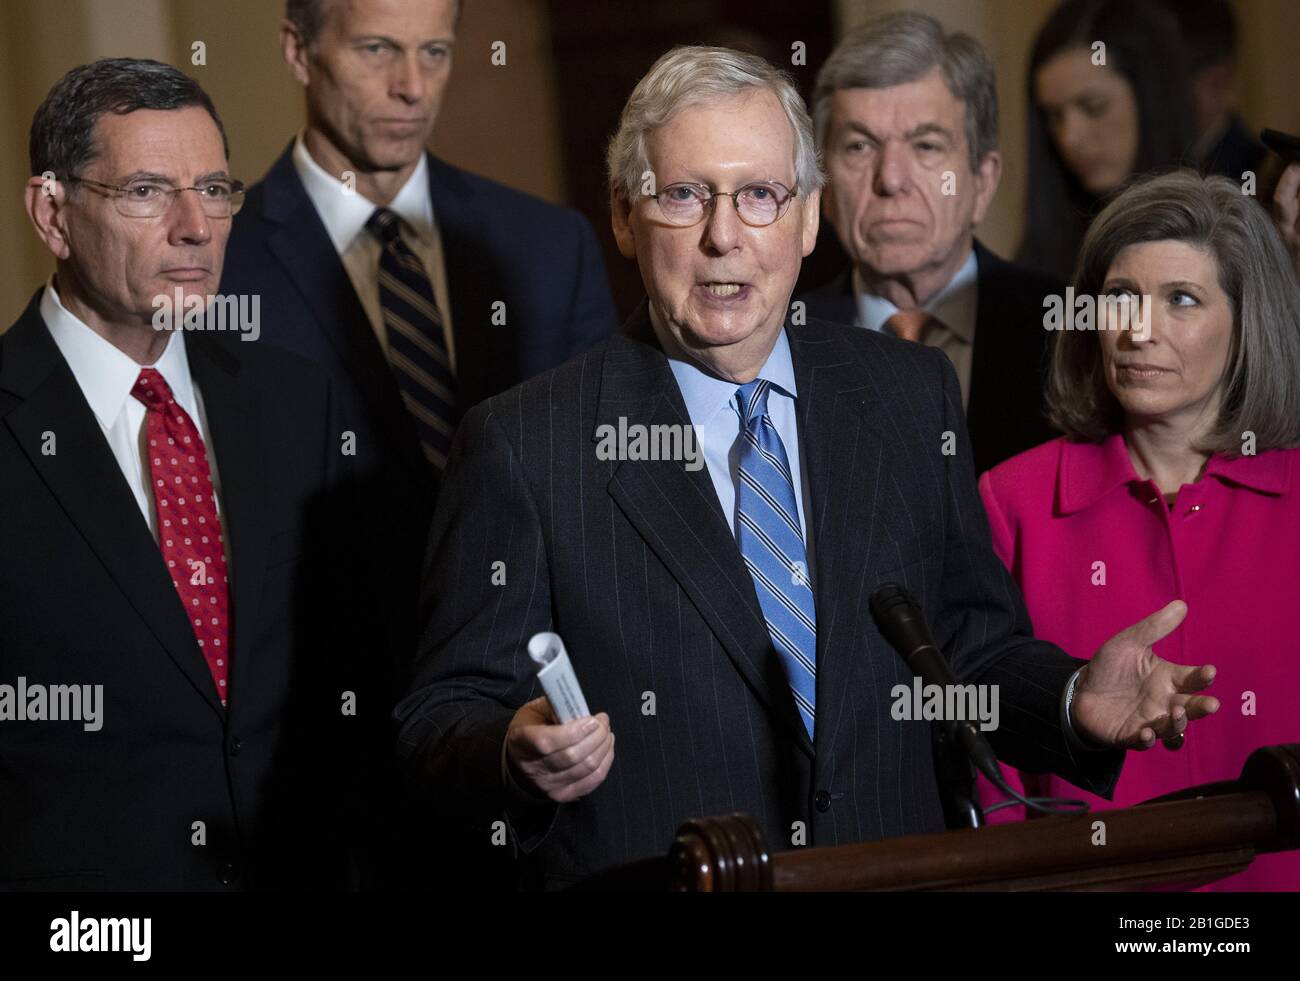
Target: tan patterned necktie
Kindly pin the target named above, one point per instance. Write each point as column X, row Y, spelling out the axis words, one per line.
column 417, row 347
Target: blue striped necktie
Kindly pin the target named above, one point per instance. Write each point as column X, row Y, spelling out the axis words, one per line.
column 417, row 345
column 772, row 545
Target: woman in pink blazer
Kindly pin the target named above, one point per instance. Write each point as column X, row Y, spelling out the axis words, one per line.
column 1178, row 478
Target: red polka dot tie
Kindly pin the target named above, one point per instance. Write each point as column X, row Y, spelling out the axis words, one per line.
column 188, row 530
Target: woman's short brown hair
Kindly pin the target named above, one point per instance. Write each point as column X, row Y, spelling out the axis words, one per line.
column 1261, row 380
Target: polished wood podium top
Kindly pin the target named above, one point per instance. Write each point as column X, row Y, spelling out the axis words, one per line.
column 1179, row 841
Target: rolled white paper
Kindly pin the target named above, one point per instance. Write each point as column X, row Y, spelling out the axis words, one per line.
column 556, row 675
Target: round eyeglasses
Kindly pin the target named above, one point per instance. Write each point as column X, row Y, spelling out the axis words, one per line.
column 758, row 204
column 152, row 198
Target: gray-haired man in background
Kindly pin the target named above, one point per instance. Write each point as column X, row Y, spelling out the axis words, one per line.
column 906, row 116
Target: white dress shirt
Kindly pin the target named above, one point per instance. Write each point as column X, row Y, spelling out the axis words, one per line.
column 106, row 376
column 344, row 213
column 954, row 306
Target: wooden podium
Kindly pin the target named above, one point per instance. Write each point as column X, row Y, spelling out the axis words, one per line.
column 1179, row 841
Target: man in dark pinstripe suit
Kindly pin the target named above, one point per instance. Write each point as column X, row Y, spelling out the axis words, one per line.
column 842, row 453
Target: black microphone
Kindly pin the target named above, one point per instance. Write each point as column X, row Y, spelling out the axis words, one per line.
column 903, row 625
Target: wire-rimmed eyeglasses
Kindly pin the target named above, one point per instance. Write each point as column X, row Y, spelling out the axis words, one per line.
column 759, row 203
column 152, row 198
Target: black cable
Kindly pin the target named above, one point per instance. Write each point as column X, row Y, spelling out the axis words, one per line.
column 1043, row 805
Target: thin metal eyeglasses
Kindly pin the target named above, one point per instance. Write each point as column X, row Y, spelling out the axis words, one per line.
column 151, row 199
column 757, row 204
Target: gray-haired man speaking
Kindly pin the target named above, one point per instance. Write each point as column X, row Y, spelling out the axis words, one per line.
column 716, row 617
column 907, row 119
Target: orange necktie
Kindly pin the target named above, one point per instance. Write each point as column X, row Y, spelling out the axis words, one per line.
column 909, row 324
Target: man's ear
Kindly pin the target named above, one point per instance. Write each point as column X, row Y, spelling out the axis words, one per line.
column 294, row 51
column 987, row 179
column 620, row 218
column 45, row 199
column 811, row 221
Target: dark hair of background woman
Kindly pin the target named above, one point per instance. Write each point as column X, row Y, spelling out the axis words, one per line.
column 1142, row 45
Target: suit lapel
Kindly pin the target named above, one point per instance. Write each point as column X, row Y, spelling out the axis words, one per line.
column 84, row 477
column 236, row 438
column 846, row 462
column 834, row 301
column 485, row 358
column 676, row 511
column 304, row 250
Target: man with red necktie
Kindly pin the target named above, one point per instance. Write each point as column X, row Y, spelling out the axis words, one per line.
column 168, row 534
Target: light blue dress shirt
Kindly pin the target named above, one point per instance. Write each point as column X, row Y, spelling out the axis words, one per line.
column 715, row 417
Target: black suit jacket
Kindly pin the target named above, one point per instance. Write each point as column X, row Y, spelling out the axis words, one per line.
column 505, row 252
column 1005, row 413
column 635, row 566
column 85, row 599
column 500, row 246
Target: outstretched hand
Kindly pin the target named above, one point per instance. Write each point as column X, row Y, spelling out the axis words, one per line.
column 1128, row 697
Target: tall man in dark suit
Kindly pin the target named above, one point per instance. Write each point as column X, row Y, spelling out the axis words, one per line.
column 713, row 599
column 907, row 119
column 421, row 288
column 159, row 570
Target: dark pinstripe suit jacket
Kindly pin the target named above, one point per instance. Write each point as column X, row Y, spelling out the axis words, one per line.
column 635, row 566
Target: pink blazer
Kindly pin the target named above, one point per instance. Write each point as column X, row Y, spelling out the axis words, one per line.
column 1095, row 549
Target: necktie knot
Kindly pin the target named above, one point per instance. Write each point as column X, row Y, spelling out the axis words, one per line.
column 385, row 225
column 152, row 389
column 910, row 325
column 751, row 398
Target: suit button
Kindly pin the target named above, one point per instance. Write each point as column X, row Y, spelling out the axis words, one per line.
column 236, row 745
column 822, row 801
column 228, row 874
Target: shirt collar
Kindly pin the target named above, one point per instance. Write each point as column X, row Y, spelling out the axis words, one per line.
column 951, row 304
column 105, row 374
column 705, row 394
column 345, row 212
column 1088, row 471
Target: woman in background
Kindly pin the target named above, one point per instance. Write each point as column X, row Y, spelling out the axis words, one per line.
column 1178, row 478
column 1110, row 97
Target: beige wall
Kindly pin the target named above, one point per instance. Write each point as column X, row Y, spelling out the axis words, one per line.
column 500, row 121
column 1269, row 74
